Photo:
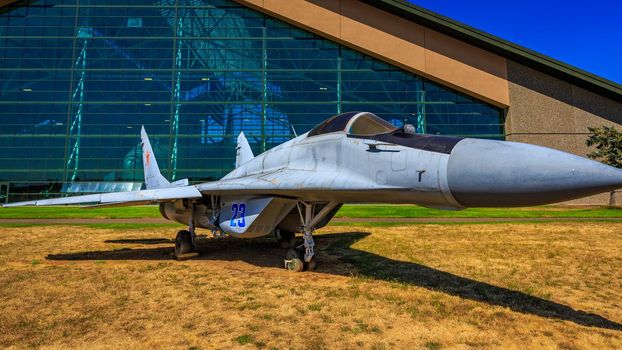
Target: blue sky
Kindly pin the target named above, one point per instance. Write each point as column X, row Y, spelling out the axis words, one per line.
column 585, row 34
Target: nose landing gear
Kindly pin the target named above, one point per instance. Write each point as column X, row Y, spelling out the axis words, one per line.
column 293, row 261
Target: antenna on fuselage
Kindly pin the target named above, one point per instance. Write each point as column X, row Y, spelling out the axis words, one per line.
column 294, row 130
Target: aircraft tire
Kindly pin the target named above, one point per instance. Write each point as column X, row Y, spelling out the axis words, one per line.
column 295, row 265
column 183, row 243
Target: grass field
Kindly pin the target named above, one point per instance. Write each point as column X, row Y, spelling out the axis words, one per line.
column 347, row 211
column 469, row 286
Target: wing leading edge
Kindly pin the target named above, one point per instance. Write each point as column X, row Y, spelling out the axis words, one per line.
column 118, row 198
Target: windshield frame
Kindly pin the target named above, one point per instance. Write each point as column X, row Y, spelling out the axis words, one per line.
column 370, row 120
column 343, row 123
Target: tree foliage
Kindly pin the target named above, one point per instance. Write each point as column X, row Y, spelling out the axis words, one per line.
column 607, row 142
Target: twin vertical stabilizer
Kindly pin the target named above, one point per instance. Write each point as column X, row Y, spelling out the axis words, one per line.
column 153, row 177
column 244, row 153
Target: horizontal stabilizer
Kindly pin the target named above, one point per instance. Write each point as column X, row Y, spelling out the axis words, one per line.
column 179, row 183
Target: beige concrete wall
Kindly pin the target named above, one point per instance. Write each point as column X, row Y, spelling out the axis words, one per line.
column 550, row 112
column 395, row 40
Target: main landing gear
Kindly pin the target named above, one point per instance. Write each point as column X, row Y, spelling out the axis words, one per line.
column 185, row 242
column 302, row 257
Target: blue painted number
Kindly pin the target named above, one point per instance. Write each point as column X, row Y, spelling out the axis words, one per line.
column 241, row 214
column 238, row 211
column 234, row 213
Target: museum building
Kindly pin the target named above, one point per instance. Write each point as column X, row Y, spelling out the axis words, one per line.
column 78, row 78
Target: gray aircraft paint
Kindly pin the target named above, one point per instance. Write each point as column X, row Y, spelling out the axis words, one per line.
column 261, row 215
column 390, row 167
column 507, row 174
column 243, row 151
column 333, row 166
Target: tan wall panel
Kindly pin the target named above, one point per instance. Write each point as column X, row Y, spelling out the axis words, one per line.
column 549, row 112
column 542, row 104
column 466, row 54
column 538, row 113
column 599, row 199
column 398, row 41
column 321, row 15
column 255, row 3
column 543, row 108
column 594, row 110
column 562, row 142
column 466, row 67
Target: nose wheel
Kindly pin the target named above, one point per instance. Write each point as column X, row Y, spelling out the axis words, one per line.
column 294, row 260
column 303, row 258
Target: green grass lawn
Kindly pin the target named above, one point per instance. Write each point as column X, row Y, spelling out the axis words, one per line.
column 407, row 211
column 347, row 211
column 71, row 212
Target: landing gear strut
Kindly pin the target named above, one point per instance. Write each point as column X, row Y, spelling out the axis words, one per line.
column 185, row 242
column 303, row 258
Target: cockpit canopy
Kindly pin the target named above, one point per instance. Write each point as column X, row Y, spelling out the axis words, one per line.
column 367, row 126
column 354, row 123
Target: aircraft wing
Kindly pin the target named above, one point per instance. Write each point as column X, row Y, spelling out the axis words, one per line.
column 284, row 182
column 120, row 198
column 288, row 182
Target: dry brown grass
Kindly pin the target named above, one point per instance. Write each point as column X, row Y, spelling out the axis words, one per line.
column 490, row 286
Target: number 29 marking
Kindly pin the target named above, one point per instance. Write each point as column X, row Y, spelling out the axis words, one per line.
column 238, row 211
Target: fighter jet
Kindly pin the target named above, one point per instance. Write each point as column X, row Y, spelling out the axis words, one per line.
column 354, row 157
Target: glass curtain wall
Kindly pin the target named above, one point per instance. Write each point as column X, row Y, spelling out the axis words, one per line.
column 79, row 77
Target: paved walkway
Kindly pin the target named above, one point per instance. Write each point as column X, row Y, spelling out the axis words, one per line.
column 354, row 220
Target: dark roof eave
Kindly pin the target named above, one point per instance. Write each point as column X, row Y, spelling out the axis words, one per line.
column 501, row 47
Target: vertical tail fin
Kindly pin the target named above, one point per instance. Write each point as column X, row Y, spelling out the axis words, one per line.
column 244, row 153
column 153, row 177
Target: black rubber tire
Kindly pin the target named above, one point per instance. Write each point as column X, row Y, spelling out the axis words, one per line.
column 183, row 243
column 296, row 265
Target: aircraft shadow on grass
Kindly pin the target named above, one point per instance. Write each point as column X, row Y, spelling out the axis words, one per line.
column 345, row 260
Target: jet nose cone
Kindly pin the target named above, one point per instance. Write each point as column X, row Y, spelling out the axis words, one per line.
column 486, row 173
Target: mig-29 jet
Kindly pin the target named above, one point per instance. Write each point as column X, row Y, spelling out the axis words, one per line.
column 355, row 157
